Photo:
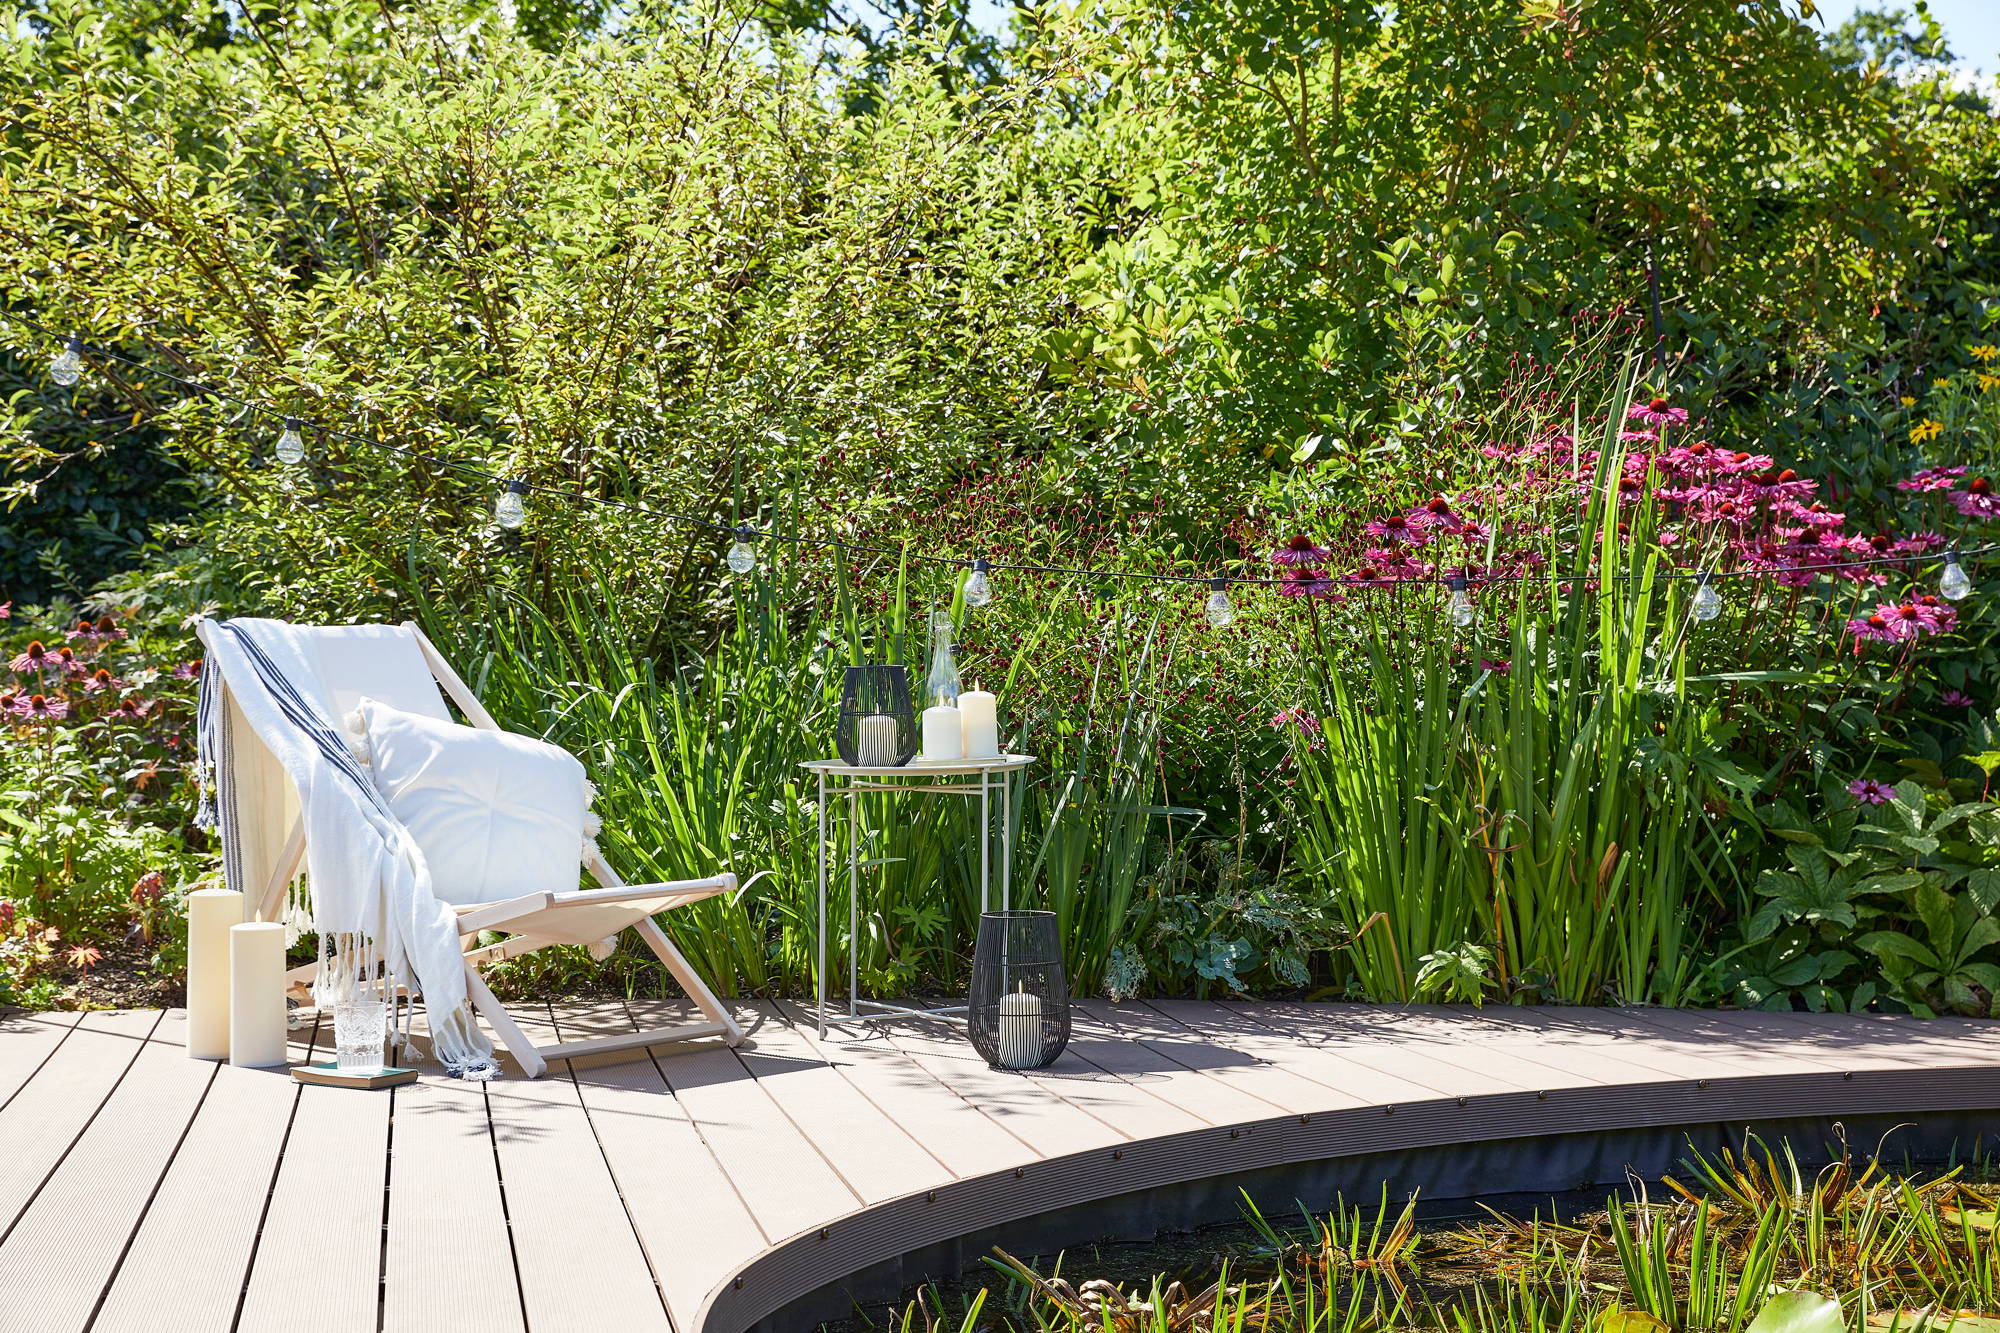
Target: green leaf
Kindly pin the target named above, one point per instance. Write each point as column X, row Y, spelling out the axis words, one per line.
column 1799, row 1312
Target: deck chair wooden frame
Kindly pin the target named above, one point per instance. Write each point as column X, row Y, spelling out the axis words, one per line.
column 537, row 920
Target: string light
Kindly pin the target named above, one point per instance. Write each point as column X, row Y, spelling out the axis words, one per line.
column 510, row 510
column 67, row 368
column 1218, row 610
column 291, row 449
column 1459, row 609
column 978, row 588
column 1954, row 585
column 1707, row 602
column 742, row 557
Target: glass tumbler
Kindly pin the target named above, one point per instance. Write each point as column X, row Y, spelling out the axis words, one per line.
column 360, row 1029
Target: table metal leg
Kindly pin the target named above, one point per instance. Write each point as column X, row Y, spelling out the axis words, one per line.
column 821, row 1014
column 985, row 841
column 853, row 905
column 1006, row 843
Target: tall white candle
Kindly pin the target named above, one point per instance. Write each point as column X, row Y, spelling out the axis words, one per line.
column 943, row 737
column 875, row 741
column 210, row 914
column 257, row 994
column 1020, row 1030
column 980, row 719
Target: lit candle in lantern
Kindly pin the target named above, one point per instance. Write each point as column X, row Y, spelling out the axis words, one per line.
column 943, row 734
column 875, row 741
column 979, row 716
column 210, row 914
column 1020, row 1030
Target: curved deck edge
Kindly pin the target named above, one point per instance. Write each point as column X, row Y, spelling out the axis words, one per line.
column 869, row 1236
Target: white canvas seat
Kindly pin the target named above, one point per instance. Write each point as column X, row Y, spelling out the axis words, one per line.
column 398, row 666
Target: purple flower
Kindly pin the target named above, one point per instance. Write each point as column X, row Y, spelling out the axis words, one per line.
column 1931, row 479
column 1497, row 668
column 1870, row 792
column 188, row 670
column 35, row 657
column 1872, row 628
column 1394, row 528
column 42, row 706
column 1295, row 716
column 1955, row 699
column 1655, row 412
column 1301, row 582
column 1300, row 550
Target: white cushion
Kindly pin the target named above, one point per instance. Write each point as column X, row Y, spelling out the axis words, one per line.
column 497, row 815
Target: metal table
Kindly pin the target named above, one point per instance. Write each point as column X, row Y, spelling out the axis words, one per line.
column 981, row 778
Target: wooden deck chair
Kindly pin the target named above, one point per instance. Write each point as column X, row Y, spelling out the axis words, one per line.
column 397, row 665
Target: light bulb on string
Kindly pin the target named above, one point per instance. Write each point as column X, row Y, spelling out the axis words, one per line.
column 1459, row 608
column 1954, row 584
column 742, row 557
column 510, row 510
column 978, row 587
column 1218, row 610
column 67, row 368
column 1707, row 602
column 291, row 447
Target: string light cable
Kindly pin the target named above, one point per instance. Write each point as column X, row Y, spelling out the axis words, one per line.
column 512, row 494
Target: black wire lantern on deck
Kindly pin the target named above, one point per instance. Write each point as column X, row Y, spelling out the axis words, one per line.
column 878, row 726
column 1019, row 1008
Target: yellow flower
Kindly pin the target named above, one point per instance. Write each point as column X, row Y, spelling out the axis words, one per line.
column 1984, row 352
column 1928, row 429
column 1988, row 382
column 1907, row 401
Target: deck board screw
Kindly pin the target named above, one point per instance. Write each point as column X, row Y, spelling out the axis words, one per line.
column 737, row 1285
column 1388, row 1110
column 930, row 1197
column 1305, row 1120
column 1235, row 1133
column 1541, row 1096
column 1118, row 1155
column 1848, row 1077
column 1020, row 1174
column 1461, row 1101
column 825, row 1233
column 1701, row 1083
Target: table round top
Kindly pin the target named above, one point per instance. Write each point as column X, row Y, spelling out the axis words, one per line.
column 921, row 767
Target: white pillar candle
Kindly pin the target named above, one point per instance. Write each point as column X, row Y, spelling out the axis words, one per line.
column 943, row 738
column 980, row 719
column 210, row 914
column 875, row 741
column 257, row 994
column 1020, row 1030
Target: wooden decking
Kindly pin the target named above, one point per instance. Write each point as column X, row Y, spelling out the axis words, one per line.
column 700, row 1189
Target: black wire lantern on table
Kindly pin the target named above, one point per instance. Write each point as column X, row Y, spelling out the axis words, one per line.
column 1019, row 1009
column 878, row 725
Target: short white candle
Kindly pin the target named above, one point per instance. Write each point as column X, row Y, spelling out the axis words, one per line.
column 980, row 720
column 943, row 738
column 875, row 741
column 1020, row 1030
column 210, row 914
column 257, row 994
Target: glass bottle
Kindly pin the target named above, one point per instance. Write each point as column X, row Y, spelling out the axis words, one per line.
column 942, row 687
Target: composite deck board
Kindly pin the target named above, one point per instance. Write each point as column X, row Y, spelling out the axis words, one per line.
column 949, row 1127
column 787, row 1181
column 1408, row 1077
column 27, row 1039
column 196, row 1237
column 581, row 1265
column 109, row 1175
column 1222, row 1059
column 691, row 1222
column 321, row 1238
column 697, row 1188
column 1508, row 1052
column 42, row 1122
column 876, row 1156
column 446, row 1215
column 1035, row 1112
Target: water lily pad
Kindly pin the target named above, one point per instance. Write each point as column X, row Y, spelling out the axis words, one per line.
column 1799, row 1312
column 1631, row 1321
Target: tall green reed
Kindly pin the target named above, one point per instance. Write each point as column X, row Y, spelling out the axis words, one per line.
column 1528, row 789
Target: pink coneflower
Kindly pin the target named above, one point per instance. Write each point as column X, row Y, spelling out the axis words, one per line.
column 188, row 670
column 1300, row 550
column 1931, row 479
column 35, row 657
column 1497, row 668
column 101, row 680
column 1872, row 628
column 41, row 706
column 129, row 710
column 6, row 610
column 1916, row 618
column 1655, row 412
column 1870, row 792
column 100, row 630
column 1977, row 500
column 1955, row 699
column 1301, row 582
column 1394, row 528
